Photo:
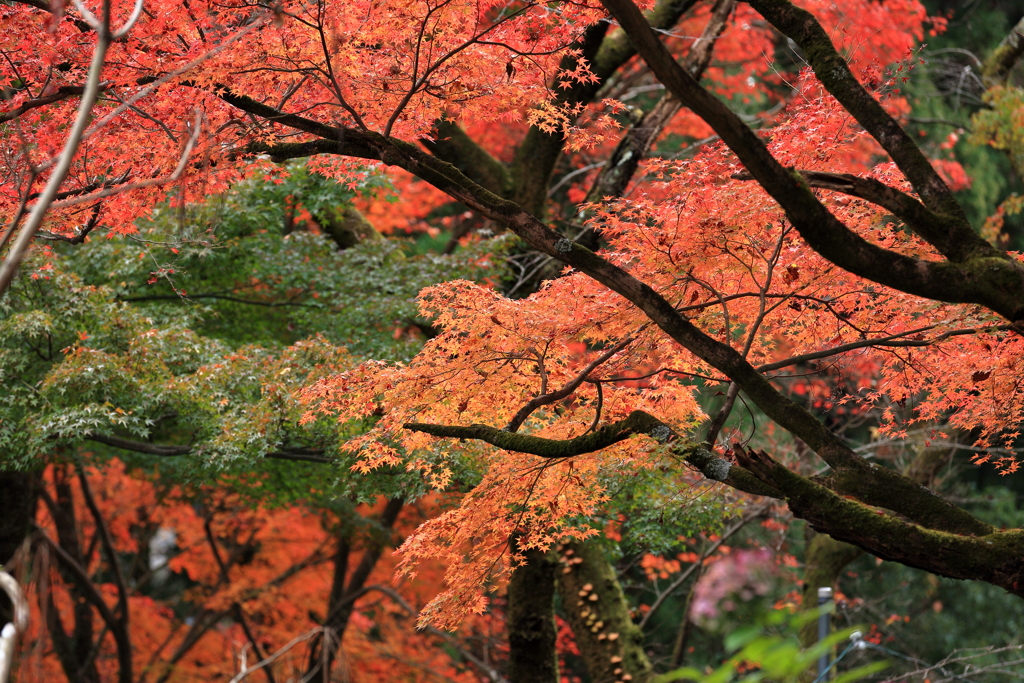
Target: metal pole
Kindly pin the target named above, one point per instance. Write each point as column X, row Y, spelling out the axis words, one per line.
column 824, row 597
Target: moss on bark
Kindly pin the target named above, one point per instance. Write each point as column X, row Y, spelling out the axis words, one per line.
column 610, row 643
column 824, row 561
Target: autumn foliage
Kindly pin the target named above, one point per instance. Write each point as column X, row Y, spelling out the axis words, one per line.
column 745, row 259
column 235, row 558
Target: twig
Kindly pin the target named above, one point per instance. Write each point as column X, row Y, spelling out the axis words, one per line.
column 693, row 567
column 277, row 655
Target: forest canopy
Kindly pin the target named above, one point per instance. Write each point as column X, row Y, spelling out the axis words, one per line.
column 321, row 323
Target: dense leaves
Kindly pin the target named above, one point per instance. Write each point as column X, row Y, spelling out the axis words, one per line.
column 794, row 248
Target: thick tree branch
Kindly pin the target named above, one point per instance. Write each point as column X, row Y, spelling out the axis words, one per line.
column 62, row 93
column 989, row 278
column 303, row 455
column 997, row 67
column 953, row 235
column 140, row 446
column 636, row 143
column 908, row 209
column 299, row 150
column 994, row 557
column 606, row 51
column 456, row 147
column 638, row 422
column 332, row 140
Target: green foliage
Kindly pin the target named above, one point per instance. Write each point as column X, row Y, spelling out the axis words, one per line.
column 268, row 199
column 659, row 508
column 228, row 265
column 1002, row 125
column 771, row 651
column 196, row 335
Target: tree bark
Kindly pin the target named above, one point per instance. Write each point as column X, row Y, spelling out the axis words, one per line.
column 824, row 562
column 531, row 621
column 18, row 490
column 612, row 646
column 997, row 67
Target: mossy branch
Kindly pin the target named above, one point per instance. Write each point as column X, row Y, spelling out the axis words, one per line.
column 996, row 557
column 997, row 67
column 638, row 422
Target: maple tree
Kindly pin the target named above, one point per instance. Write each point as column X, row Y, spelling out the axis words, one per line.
column 268, row 558
column 249, row 571
column 767, row 252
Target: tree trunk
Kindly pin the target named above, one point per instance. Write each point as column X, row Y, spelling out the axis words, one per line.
column 18, row 491
column 612, row 646
column 531, row 621
column 826, row 558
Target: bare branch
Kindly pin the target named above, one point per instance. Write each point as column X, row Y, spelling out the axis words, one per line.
column 246, row 670
column 726, row 535
column 120, row 627
column 546, row 399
